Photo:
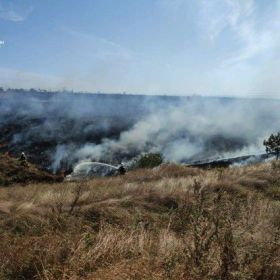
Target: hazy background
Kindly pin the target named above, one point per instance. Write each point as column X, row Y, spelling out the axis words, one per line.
column 57, row 130
column 214, row 47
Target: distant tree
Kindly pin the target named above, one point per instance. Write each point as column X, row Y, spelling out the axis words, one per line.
column 272, row 144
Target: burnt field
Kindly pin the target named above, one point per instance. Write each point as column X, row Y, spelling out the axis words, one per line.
column 37, row 124
column 57, row 130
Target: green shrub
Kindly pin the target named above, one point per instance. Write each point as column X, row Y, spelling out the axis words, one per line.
column 150, row 160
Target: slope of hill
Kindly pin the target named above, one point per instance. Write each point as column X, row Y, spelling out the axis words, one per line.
column 172, row 222
column 13, row 171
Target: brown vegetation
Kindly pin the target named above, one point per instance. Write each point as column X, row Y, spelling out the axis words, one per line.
column 171, row 222
column 14, row 171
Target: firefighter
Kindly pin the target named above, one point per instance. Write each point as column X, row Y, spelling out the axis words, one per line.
column 23, row 159
column 121, row 169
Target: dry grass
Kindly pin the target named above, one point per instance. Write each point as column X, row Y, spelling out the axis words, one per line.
column 171, row 222
column 13, row 171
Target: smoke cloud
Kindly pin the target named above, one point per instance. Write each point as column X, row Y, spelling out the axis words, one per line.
column 59, row 130
column 196, row 129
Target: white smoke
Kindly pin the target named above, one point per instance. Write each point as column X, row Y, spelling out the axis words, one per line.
column 117, row 128
column 185, row 132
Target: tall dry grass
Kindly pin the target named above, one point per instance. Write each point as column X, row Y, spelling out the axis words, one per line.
column 171, row 222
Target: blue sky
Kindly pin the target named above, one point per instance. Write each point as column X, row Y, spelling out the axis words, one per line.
column 214, row 47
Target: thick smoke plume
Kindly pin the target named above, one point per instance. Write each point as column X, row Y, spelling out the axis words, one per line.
column 63, row 129
column 196, row 129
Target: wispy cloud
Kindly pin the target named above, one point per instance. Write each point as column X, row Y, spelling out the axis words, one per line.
column 217, row 15
column 11, row 13
column 100, row 47
column 2, row 43
column 172, row 6
column 253, row 34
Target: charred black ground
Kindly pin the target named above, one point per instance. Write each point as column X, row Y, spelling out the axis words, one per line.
column 56, row 130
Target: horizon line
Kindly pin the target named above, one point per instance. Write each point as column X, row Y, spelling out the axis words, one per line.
column 192, row 95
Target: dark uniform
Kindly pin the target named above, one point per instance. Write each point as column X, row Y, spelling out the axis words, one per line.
column 23, row 159
column 122, row 170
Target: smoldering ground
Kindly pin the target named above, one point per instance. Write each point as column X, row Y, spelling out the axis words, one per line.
column 59, row 130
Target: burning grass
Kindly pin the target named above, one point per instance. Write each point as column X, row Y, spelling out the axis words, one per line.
column 171, row 222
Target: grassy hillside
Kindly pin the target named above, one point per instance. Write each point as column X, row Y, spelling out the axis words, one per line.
column 172, row 222
column 13, row 171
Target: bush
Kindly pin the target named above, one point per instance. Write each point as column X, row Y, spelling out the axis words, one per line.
column 150, row 160
column 272, row 144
